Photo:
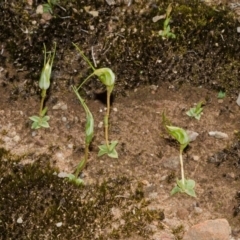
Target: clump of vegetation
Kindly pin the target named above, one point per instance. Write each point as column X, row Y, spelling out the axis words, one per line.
column 196, row 112
column 221, row 94
column 166, row 32
column 106, row 77
column 44, row 84
column 183, row 185
column 49, row 6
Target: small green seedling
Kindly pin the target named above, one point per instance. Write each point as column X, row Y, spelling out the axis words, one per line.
column 44, row 84
column 196, row 112
column 89, row 131
column 221, row 94
column 106, row 77
column 166, row 32
column 48, row 7
column 183, row 185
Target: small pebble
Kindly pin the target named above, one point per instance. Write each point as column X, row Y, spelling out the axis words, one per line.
column 198, row 210
column 61, row 105
column 217, row 134
column 19, row 220
column 100, row 124
column 195, row 158
column 34, row 133
column 115, row 109
column 62, row 175
column 192, row 135
column 39, row 9
column 145, row 182
column 70, row 145
column 64, row 119
column 16, row 138
column 59, row 224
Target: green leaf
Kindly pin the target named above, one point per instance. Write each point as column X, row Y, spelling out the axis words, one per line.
column 221, row 95
column 175, row 190
column 196, row 111
column 179, row 134
column 34, row 118
column 47, row 8
column 44, row 124
column 189, row 183
column 44, row 111
column 112, row 145
column 44, row 82
column 74, row 179
column 35, row 125
column 113, row 154
column 191, row 192
column 71, row 177
column 106, row 76
column 187, row 187
column 102, row 150
column 89, row 128
column 109, row 150
column 166, row 23
column 45, row 118
column 180, row 183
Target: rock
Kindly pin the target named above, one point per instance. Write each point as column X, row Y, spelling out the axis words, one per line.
column 20, row 220
column 46, row 16
column 59, row 224
column 192, row 135
column 110, row 2
column 61, row 105
column 171, row 162
column 238, row 100
column 218, row 229
column 62, row 175
column 39, row 9
column 217, row 134
column 195, row 158
column 198, row 210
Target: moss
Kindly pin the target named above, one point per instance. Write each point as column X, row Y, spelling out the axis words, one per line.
column 178, row 232
column 35, row 193
column 206, row 40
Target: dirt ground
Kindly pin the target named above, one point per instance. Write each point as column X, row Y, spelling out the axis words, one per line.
column 124, row 198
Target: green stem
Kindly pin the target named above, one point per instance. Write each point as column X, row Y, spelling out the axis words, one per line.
column 84, row 57
column 107, row 117
column 182, row 169
column 84, row 81
column 43, row 94
column 83, row 163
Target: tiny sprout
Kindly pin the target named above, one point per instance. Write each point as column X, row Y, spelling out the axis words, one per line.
column 221, row 95
column 48, row 7
column 166, row 32
column 106, row 77
column 195, row 112
column 183, row 185
column 89, row 131
column 44, row 84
